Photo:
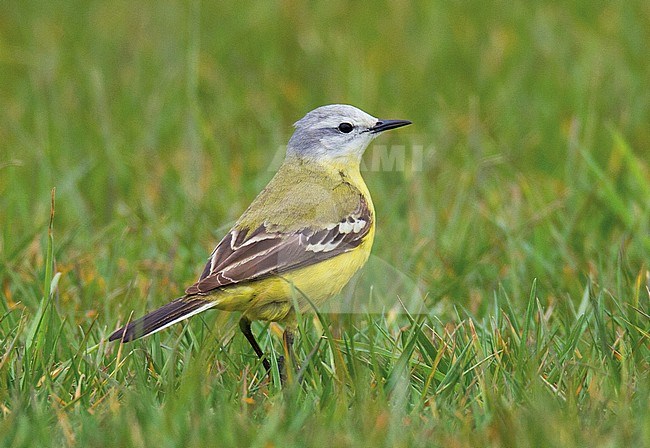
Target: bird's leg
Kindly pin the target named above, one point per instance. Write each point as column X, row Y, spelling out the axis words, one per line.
column 287, row 338
column 287, row 342
column 245, row 327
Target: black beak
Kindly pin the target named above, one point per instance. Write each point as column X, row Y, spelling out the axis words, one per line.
column 385, row 125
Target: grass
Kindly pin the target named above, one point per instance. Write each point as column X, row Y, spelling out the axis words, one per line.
column 526, row 225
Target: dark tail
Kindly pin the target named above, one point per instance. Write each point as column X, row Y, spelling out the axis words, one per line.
column 163, row 317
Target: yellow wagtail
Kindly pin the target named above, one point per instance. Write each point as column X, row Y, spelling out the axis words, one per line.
column 309, row 231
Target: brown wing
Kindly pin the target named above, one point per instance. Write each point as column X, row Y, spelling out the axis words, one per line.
column 163, row 317
column 243, row 255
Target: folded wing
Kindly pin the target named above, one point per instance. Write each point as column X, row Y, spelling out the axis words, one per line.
column 245, row 255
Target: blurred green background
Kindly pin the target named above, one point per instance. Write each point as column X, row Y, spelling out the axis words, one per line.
column 158, row 123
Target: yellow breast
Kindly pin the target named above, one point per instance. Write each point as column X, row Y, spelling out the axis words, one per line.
column 273, row 298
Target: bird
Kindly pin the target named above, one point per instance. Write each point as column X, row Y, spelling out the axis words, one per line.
column 301, row 239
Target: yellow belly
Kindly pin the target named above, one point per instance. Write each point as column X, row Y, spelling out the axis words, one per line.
column 272, row 299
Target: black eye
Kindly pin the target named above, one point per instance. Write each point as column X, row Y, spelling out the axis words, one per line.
column 346, row 128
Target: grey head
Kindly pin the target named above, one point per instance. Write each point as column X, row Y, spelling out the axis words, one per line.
column 336, row 132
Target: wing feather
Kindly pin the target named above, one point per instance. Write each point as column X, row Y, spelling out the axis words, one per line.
column 244, row 255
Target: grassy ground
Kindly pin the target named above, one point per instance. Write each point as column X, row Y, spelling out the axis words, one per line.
column 525, row 222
